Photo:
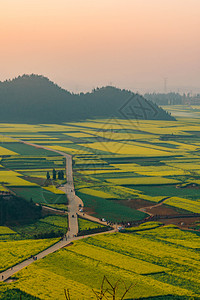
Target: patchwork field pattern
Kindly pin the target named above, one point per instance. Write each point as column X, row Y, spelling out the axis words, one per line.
column 119, row 166
column 160, row 261
column 112, row 160
column 25, row 174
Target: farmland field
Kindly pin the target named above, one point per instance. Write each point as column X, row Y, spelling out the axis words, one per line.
column 85, row 224
column 13, row 252
column 124, row 171
column 39, row 195
column 160, row 261
column 112, row 160
column 50, row 226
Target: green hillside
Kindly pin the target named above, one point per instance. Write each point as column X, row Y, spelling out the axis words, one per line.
column 35, row 99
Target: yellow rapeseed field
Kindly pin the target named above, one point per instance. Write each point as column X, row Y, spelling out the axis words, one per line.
column 6, row 230
column 96, row 193
column 11, row 178
column 122, row 148
column 53, row 189
column 4, row 151
column 78, row 134
column 190, row 205
column 68, row 150
column 13, row 252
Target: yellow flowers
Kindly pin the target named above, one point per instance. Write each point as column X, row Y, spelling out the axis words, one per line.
column 135, row 149
column 68, row 150
column 193, row 206
column 79, row 134
column 4, row 151
column 112, row 152
column 53, row 189
column 96, row 193
column 6, row 230
column 13, row 252
column 11, row 178
column 3, row 189
column 116, row 259
column 156, row 260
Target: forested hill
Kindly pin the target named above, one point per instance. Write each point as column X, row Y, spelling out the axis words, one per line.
column 35, row 99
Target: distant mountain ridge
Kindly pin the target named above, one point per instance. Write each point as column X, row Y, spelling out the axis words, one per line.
column 36, row 99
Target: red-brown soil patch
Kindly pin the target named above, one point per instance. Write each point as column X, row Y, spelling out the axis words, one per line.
column 89, row 211
column 135, row 203
column 182, row 223
column 162, row 210
column 36, row 180
column 47, row 210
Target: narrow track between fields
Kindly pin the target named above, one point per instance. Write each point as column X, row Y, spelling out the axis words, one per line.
column 73, row 212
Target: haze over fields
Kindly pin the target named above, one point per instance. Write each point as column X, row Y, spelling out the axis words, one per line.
column 132, row 44
column 99, row 149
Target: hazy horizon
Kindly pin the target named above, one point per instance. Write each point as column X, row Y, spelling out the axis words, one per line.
column 134, row 44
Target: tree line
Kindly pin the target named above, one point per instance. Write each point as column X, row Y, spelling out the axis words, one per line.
column 56, row 175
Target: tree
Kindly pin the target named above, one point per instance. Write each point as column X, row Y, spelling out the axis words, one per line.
column 108, row 291
column 48, row 175
column 61, row 175
column 54, row 174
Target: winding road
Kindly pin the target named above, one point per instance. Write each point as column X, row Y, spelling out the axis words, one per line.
column 73, row 211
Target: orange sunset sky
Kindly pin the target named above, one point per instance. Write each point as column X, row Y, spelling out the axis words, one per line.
column 82, row 44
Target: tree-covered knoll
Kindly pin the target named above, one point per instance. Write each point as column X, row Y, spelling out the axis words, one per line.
column 35, row 99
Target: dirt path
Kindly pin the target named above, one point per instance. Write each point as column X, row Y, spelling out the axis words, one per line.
column 73, row 211
column 61, row 244
column 73, row 202
column 68, row 188
column 53, row 210
column 144, row 209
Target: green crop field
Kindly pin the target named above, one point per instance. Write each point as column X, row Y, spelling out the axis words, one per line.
column 39, row 195
column 120, row 166
column 147, row 160
column 23, row 149
column 51, row 226
column 15, row 294
column 86, row 225
column 159, row 261
column 110, row 210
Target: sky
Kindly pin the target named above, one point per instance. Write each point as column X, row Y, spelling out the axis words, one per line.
column 141, row 45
